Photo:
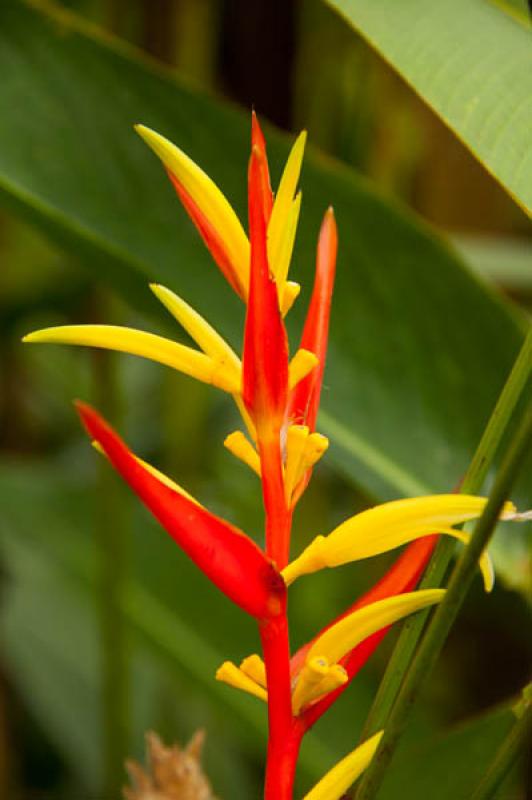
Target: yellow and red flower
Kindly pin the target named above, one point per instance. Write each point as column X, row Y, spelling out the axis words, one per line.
column 278, row 401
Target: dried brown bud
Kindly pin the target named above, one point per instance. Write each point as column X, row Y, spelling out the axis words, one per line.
column 172, row 773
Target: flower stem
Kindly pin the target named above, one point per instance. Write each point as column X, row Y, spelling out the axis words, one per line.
column 508, row 752
column 283, row 738
column 446, row 613
column 435, row 573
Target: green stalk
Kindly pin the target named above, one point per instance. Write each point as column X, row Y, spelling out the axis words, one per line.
column 435, row 573
column 112, row 546
column 446, row 613
column 509, row 751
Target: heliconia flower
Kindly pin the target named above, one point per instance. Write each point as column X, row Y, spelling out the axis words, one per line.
column 337, row 781
column 219, row 225
column 391, row 525
column 229, row 558
column 338, row 640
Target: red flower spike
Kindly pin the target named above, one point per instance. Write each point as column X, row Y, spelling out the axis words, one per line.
column 402, row 577
column 265, row 359
column 305, row 399
column 209, row 235
column 265, row 368
column 258, row 143
column 229, row 558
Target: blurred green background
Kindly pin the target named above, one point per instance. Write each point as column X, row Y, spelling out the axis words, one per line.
column 106, row 631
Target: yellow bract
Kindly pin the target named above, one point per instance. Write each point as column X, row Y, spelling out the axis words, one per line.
column 284, row 199
column 144, row 344
column 199, row 329
column 336, row 782
column 218, row 211
column 280, row 259
column 290, row 294
column 241, row 447
column 318, row 672
column 349, row 631
column 303, row 450
column 388, row 526
column 300, row 366
column 211, row 201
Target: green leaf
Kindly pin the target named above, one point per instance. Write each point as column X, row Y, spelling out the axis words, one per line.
column 419, row 348
column 471, row 63
column 451, row 764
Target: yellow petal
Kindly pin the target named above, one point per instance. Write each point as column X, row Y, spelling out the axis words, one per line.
column 303, row 450
column 241, row 447
column 300, row 366
column 315, row 446
column 348, row 632
column 230, row 674
column 156, row 474
column 338, row 780
column 140, row 343
column 199, row 329
column 285, row 194
column 281, row 256
column 208, row 197
column 386, row 527
column 316, row 679
column 296, row 439
column 253, row 667
column 290, row 294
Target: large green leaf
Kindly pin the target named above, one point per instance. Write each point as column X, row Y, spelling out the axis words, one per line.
column 453, row 763
column 472, row 63
column 419, row 349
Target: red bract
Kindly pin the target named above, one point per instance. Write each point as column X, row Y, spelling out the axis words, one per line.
column 305, row 398
column 228, row 557
column 209, row 234
column 258, row 146
column 265, row 366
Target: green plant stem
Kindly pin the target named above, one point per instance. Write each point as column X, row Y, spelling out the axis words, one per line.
column 446, row 613
column 435, row 573
column 112, row 545
column 511, row 748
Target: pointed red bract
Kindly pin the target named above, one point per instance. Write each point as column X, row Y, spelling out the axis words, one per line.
column 258, row 144
column 305, row 398
column 210, row 236
column 265, row 369
column 228, row 557
column 265, row 361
